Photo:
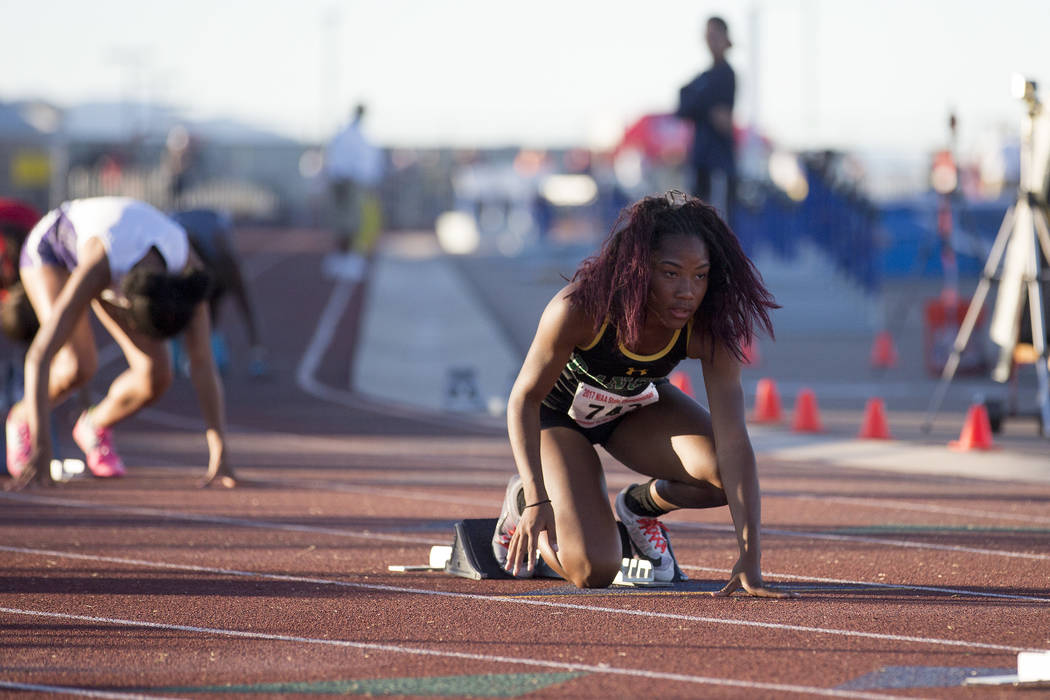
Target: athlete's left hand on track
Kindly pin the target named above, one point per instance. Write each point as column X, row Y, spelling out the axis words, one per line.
column 752, row 585
column 220, row 475
column 525, row 541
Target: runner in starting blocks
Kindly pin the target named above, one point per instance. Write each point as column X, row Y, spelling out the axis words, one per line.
column 470, row 556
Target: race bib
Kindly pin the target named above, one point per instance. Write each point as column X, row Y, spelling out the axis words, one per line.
column 592, row 406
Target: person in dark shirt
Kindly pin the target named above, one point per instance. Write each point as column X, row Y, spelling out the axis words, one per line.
column 16, row 221
column 670, row 282
column 211, row 235
column 18, row 322
column 707, row 101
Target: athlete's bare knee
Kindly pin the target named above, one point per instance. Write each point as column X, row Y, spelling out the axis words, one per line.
column 699, row 459
column 591, row 572
column 155, row 379
column 710, row 481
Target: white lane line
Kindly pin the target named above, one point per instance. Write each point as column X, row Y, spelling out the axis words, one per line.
column 336, row 305
column 903, row 505
column 486, row 658
column 883, row 541
column 80, row 692
column 324, row 331
column 222, row 520
column 906, row 544
column 881, row 584
column 253, row 269
column 367, row 534
column 515, row 600
column 421, row 539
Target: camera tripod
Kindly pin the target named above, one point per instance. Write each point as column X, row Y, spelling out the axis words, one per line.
column 1023, row 235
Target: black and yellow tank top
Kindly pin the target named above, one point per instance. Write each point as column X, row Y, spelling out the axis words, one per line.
column 604, row 379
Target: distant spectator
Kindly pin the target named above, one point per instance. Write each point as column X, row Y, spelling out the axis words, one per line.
column 353, row 167
column 707, row 101
column 16, row 221
column 17, row 319
column 180, row 161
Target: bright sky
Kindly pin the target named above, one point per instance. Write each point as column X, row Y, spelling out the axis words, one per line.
column 817, row 73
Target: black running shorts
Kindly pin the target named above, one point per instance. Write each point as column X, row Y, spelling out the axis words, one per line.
column 598, row 435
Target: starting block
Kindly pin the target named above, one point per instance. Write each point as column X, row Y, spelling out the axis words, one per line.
column 470, row 556
column 1033, row 671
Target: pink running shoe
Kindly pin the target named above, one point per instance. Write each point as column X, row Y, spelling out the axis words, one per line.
column 19, row 443
column 97, row 444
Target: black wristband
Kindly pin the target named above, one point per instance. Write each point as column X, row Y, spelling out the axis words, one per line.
column 538, row 503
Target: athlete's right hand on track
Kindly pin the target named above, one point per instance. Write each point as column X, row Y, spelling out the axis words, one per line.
column 524, row 543
column 37, row 472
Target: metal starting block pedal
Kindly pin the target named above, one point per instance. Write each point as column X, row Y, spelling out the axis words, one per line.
column 638, row 573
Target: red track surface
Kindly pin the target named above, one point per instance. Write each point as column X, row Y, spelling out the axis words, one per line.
column 147, row 585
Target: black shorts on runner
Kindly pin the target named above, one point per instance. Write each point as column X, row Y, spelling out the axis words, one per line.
column 598, row 435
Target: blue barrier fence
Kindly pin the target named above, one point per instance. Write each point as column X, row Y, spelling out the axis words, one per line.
column 840, row 222
column 911, row 246
column 866, row 242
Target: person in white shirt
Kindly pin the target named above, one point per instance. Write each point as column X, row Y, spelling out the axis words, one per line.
column 134, row 267
column 352, row 166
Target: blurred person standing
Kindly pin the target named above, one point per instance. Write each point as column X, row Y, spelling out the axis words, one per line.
column 17, row 219
column 180, row 163
column 707, row 101
column 353, row 167
column 17, row 319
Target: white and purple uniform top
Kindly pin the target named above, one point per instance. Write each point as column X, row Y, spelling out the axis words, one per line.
column 127, row 229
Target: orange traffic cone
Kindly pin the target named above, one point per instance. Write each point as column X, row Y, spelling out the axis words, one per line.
column 751, row 354
column 874, row 425
column 883, row 353
column 807, row 418
column 977, row 431
column 680, row 380
column 767, row 402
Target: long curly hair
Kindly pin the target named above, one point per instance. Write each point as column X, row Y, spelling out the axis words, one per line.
column 614, row 283
column 163, row 304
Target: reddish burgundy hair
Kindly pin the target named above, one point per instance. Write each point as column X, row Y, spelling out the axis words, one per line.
column 614, row 283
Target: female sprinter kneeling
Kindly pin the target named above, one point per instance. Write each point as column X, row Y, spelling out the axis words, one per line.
column 670, row 282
